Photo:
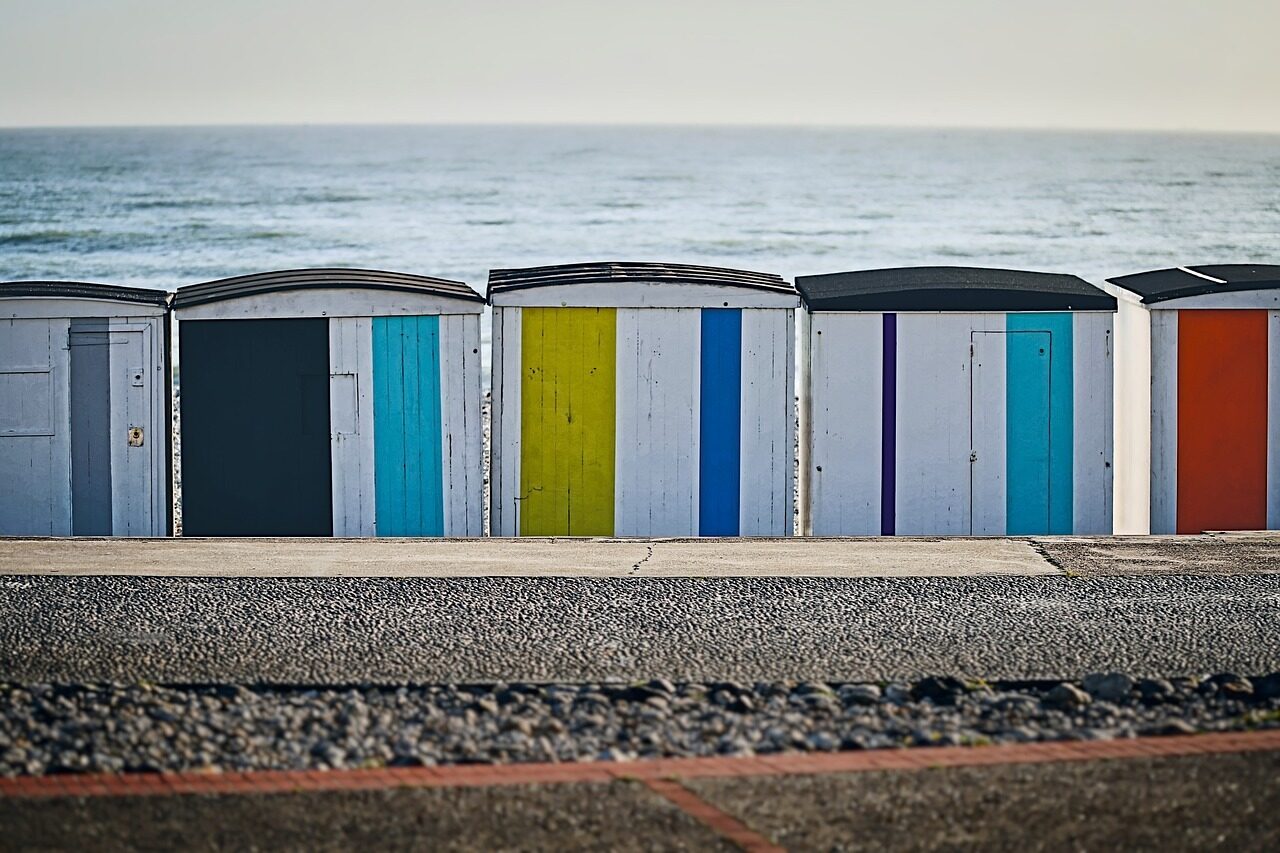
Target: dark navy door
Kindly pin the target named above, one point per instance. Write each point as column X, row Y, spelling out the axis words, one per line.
column 255, row 427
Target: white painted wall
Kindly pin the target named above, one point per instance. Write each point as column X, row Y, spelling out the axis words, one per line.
column 657, row 428
column 767, row 450
column 461, row 428
column 1093, row 427
column 1162, row 417
column 843, row 424
column 351, row 427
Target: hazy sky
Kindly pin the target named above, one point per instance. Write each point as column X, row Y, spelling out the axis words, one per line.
column 1177, row 64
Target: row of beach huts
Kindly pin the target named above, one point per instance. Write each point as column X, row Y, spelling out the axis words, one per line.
column 633, row 399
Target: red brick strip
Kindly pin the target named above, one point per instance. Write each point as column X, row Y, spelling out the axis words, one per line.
column 723, row 823
column 484, row 775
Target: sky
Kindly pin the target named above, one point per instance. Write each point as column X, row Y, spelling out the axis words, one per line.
column 1114, row 64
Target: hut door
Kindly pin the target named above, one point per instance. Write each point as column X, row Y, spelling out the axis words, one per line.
column 1009, row 484
column 133, row 441
column 34, row 428
column 255, row 427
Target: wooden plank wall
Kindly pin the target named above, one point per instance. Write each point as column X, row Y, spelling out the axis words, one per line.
column 135, row 477
column 845, row 384
column 461, row 431
column 657, row 422
column 1093, row 384
column 989, row 422
column 1164, row 421
column 767, row 454
column 351, row 425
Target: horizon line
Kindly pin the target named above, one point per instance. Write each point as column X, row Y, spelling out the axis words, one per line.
column 1162, row 130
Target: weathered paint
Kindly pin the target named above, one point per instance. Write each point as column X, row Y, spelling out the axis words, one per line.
column 351, row 426
column 1164, row 421
column 461, row 433
column 767, row 456
column 135, row 477
column 989, row 423
column 657, row 433
column 1092, row 379
column 845, row 383
column 568, row 414
column 408, row 472
column 91, row 494
column 35, row 441
column 933, row 467
column 505, row 420
column 720, row 445
column 1222, row 420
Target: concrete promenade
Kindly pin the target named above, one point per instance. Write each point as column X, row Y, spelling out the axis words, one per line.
column 655, row 558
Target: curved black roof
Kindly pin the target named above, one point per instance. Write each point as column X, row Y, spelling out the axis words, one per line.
column 620, row 271
column 1180, row 282
column 951, row 289
column 282, row 280
column 83, row 290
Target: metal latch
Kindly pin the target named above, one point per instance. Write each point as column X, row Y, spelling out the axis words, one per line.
column 136, row 377
column 135, row 436
column 973, row 456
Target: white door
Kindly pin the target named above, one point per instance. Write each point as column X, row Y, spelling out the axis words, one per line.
column 135, row 477
column 35, row 448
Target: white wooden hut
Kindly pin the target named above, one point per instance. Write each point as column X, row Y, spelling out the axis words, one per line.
column 1215, row 395
column 635, row 399
column 955, row 401
column 330, row 402
column 84, row 410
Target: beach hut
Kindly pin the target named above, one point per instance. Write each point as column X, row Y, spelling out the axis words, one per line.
column 330, row 402
column 634, row 399
column 84, row 410
column 1215, row 396
column 955, row 401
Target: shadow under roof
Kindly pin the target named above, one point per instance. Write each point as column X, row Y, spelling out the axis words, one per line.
column 308, row 279
column 951, row 289
column 624, row 271
column 82, row 290
column 1181, row 282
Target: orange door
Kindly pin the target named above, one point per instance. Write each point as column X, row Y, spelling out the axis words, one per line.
column 1222, row 420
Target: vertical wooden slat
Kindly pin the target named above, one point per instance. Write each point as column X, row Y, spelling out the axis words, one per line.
column 351, row 425
column 1222, row 420
column 767, row 417
column 460, row 423
column 90, row 402
column 844, row 429
column 1093, row 384
column 1273, row 420
column 1164, row 421
column 720, row 430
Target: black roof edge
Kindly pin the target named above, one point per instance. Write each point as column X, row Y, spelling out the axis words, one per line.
column 951, row 288
column 1169, row 283
column 504, row 280
column 84, row 290
column 276, row 281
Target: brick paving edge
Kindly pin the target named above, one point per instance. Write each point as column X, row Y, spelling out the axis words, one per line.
column 645, row 770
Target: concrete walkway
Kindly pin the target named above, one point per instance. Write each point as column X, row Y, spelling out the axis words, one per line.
column 456, row 558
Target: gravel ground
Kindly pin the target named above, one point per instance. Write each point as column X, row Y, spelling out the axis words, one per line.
column 1204, row 802
column 70, row 728
column 1221, row 554
column 477, row 630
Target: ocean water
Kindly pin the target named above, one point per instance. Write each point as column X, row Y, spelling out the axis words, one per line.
column 171, row 206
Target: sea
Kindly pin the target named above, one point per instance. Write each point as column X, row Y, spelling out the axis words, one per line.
column 164, row 207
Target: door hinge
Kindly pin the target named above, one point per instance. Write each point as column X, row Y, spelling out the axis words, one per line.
column 973, row 456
